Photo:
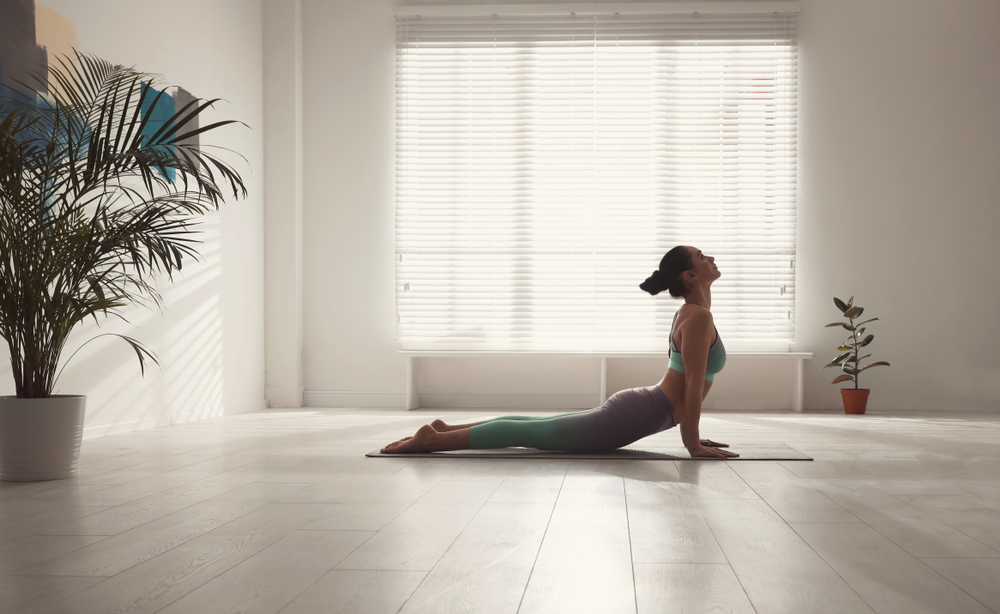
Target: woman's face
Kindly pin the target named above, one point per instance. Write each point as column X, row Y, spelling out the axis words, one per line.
column 704, row 266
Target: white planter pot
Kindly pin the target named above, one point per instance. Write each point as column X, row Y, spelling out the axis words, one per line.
column 40, row 438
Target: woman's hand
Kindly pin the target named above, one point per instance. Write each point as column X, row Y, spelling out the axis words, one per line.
column 708, row 443
column 703, row 452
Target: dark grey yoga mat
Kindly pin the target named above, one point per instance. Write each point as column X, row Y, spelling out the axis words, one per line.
column 635, row 451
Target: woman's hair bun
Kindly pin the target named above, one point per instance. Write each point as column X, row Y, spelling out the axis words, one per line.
column 670, row 274
column 655, row 283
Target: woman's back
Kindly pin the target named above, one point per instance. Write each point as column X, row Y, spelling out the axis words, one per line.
column 695, row 348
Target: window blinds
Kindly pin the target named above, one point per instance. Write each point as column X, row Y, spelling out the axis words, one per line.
column 545, row 163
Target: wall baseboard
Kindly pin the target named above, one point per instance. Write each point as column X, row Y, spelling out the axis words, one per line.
column 91, row 432
column 242, row 409
column 115, row 428
column 284, row 396
column 510, row 401
column 337, row 398
column 396, row 400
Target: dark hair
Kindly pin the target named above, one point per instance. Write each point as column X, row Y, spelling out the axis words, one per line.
column 668, row 276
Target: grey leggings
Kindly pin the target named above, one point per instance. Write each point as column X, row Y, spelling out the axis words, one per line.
column 627, row 416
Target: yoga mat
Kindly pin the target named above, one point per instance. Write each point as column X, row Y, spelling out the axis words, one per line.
column 635, row 451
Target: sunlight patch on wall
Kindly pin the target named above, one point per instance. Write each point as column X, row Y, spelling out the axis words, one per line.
column 55, row 33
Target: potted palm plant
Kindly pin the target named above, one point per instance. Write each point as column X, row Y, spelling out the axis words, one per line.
column 96, row 198
column 855, row 399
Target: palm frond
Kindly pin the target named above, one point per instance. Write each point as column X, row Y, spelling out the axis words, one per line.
column 95, row 201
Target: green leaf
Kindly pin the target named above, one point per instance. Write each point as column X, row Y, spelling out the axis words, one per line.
column 849, row 370
column 188, row 135
column 96, row 287
column 844, row 324
column 866, row 341
column 880, row 363
column 842, row 378
column 841, row 305
column 850, row 303
column 140, row 351
column 865, row 322
column 844, row 348
column 838, row 360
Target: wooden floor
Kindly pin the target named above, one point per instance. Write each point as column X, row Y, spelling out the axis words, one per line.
column 279, row 511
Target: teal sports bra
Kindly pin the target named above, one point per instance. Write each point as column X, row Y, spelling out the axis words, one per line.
column 716, row 353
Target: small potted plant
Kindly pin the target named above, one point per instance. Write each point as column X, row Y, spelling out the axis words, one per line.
column 855, row 399
column 97, row 199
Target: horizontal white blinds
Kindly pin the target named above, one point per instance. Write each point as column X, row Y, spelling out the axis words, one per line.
column 545, row 164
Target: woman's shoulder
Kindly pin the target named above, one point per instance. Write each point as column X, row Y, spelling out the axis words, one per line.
column 696, row 319
column 695, row 314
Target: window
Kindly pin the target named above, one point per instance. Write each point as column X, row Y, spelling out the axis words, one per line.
column 545, row 163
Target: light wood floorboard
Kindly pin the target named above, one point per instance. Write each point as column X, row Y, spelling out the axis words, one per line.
column 581, row 569
column 117, row 553
column 886, row 577
column 19, row 593
column 344, row 591
column 152, row 585
column 778, row 570
column 667, row 526
column 267, row 582
column 971, row 515
column 689, row 589
column 279, row 511
column 978, row 577
column 416, row 539
column 486, row 569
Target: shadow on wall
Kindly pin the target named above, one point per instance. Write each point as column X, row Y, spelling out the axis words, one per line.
column 192, row 358
column 19, row 46
column 187, row 339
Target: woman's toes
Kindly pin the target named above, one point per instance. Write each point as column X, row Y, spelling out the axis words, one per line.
column 418, row 443
column 394, row 446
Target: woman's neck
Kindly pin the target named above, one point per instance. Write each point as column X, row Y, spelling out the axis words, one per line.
column 702, row 296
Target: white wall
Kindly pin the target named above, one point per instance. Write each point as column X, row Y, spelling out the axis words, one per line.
column 283, row 162
column 900, row 194
column 210, row 337
column 348, row 76
column 899, row 203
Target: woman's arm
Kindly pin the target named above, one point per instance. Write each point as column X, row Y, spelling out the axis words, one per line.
column 696, row 340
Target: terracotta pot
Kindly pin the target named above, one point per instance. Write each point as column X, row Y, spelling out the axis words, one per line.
column 855, row 401
column 40, row 438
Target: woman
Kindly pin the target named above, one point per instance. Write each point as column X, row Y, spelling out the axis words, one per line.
column 696, row 355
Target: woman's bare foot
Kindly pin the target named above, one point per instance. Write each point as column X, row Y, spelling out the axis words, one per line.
column 440, row 426
column 443, row 427
column 420, row 442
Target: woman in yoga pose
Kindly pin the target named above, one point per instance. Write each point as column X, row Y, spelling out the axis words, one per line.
column 696, row 355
